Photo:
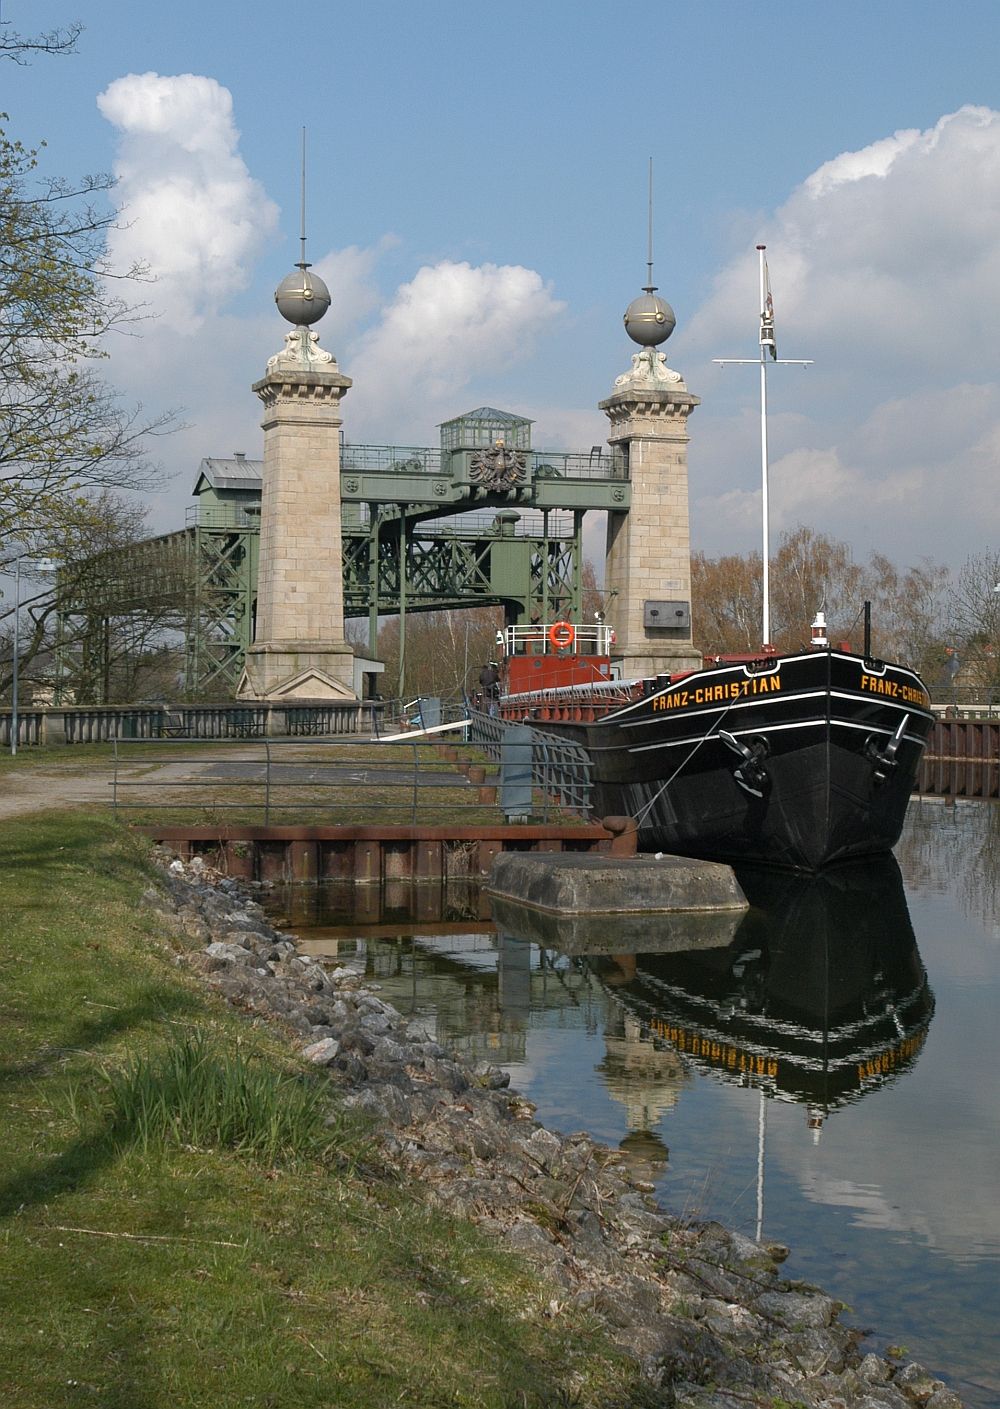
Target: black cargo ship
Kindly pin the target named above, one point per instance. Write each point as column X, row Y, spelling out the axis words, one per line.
column 800, row 760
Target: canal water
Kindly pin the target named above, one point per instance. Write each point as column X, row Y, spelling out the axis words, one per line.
column 823, row 1074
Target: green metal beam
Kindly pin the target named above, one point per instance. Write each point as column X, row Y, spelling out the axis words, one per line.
column 397, row 555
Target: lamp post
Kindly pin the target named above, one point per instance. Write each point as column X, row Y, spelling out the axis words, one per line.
column 14, row 724
column 42, row 565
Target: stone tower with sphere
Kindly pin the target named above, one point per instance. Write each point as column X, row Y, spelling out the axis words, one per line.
column 299, row 650
column 648, row 567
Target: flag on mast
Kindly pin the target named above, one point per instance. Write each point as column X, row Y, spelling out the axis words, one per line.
column 767, row 317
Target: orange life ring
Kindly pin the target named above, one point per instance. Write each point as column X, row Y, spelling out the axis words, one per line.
column 562, row 635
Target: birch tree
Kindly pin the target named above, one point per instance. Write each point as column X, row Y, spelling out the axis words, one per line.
column 63, row 432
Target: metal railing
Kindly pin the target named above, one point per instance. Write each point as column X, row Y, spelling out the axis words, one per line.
column 403, row 459
column 588, row 639
column 237, row 516
column 562, row 771
column 472, row 526
column 337, row 781
column 347, row 781
column 543, row 464
column 556, row 464
column 422, row 712
column 965, row 701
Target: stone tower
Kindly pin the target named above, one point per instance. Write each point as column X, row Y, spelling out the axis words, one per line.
column 299, row 650
column 648, row 566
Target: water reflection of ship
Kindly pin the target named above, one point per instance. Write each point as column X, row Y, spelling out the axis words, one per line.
column 820, row 997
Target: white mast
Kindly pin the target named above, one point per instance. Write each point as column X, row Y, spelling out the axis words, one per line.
column 765, row 515
column 767, row 346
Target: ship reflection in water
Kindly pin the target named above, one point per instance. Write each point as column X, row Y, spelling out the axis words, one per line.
column 815, row 995
column 820, row 997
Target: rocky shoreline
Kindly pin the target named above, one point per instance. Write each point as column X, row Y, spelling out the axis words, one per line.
column 703, row 1310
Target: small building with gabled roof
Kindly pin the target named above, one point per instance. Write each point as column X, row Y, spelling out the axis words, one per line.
column 482, row 428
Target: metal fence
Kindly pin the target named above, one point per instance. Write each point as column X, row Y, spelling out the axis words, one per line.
column 537, row 778
column 560, row 769
column 284, row 781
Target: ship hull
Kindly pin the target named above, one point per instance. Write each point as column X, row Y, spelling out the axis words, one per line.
column 802, row 762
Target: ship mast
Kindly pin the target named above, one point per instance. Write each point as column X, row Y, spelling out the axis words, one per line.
column 768, row 350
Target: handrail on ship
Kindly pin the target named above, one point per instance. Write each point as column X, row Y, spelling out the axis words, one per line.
column 597, row 636
column 613, row 690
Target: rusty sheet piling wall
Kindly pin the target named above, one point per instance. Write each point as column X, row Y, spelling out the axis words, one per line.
column 380, row 854
column 962, row 759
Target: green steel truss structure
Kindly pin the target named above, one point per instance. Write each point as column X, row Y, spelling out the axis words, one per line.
column 482, row 521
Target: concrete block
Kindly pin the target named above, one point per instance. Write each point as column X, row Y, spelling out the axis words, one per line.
column 577, row 884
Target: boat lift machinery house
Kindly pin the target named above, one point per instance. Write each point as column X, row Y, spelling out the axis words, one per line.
column 481, row 520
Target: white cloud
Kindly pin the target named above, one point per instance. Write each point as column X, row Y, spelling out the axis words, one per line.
column 216, row 408
column 565, row 427
column 191, row 210
column 875, row 160
column 350, row 276
column 452, row 324
column 885, row 268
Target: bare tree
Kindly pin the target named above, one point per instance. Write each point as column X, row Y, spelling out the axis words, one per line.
column 21, row 48
column 974, row 620
column 72, row 634
column 62, row 429
column 594, row 605
column 909, row 613
column 812, row 572
column 726, row 595
column 444, row 650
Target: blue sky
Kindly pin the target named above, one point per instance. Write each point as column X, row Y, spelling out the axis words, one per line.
column 477, row 203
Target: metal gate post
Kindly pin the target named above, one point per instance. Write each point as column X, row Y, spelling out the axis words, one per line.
column 515, row 771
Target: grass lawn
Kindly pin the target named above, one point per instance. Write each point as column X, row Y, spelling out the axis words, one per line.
column 178, row 1225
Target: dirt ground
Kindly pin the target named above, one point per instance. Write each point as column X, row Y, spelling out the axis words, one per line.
column 28, row 788
column 33, row 785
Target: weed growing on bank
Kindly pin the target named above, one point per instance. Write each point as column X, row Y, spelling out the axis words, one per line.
column 192, row 1096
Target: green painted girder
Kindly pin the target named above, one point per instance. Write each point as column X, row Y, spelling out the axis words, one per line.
column 206, row 575
column 118, row 580
column 421, row 480
column 438, row 496
column 222, row 628
column 448, row 569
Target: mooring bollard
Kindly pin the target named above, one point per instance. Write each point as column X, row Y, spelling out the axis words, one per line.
column 625, row 835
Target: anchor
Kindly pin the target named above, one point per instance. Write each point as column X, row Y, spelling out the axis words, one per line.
column 751, row 774
column 885, row 760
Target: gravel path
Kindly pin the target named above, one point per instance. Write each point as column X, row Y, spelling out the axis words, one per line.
column 39, row 787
